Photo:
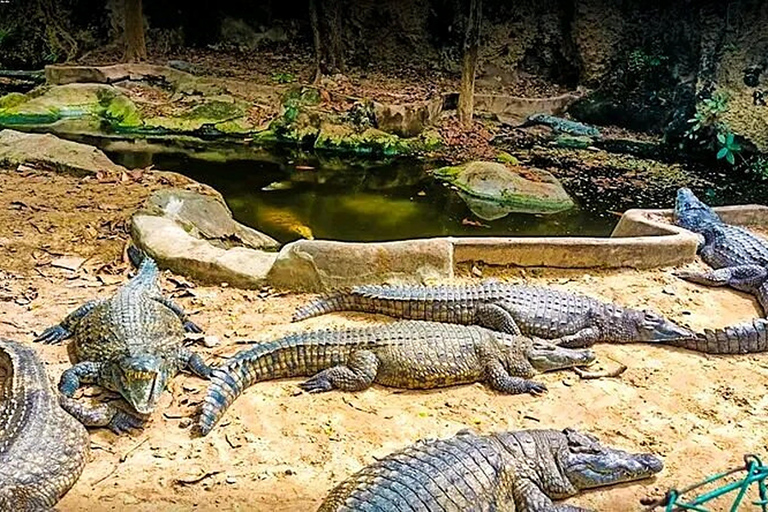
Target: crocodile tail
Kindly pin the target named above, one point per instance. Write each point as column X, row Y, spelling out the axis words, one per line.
column 341, row 301
column 265, row 361
column 141, row 260
column 744, row 338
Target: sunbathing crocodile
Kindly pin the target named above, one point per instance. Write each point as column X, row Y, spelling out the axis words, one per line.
column 740, row 259
column 568, row 319
column 411, row 355
column 513, row 471
column 42, row 448
column 132, row 343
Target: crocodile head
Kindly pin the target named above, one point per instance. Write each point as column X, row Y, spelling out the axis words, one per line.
column 586, row 463
column 140, row 380
column 649, row 327
column 545, row 356
column 691, row 213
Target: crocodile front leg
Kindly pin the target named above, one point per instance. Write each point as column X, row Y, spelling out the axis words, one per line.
column 499, row 379
column 529, row 497
column 356, row 375
column 103, row 415
column 56, row 334
column 195, row 363
column 743, row 277
column 583, row 338
column 189, row 325
column 495, row 317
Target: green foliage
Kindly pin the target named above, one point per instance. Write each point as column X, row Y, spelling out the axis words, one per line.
column 708, row 128
column 283, row 78
column 641, row 62
column 758, row 165
column 728, row 147
column 708, row 114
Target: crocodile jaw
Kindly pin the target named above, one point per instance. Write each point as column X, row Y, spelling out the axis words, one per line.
column 588, row 464
column 545, row 357
column 141, row 382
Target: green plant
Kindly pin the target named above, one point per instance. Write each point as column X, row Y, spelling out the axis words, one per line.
column 728, row 147
column 283, row 78
column 639, row 61
column 759, row 165
column 707, row 114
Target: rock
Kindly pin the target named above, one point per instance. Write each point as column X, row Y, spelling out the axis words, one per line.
column 320, row 265
column 52, row 153
column 513, row 110
column 521, row 189
column 207, row 217
column 407, row 120
column 172, row 247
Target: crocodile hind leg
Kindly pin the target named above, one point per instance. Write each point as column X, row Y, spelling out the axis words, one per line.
column 356, row 375
column 59, row 332
column 746, row 278
column 189, row 325
column 499, row 379
column 195, row 363
column 493, row 316
column 103, row 415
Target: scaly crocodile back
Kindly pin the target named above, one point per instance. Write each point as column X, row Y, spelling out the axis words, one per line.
column 442, row 303
column 463, row 473
column 730, row 246
column 42, row 448
column 412, row 355
column 132, row 322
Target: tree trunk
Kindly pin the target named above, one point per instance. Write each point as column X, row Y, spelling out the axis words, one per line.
column 313, row 20
column 469, row 63
column 135, row 46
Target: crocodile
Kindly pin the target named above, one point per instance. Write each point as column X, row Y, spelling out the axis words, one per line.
column 562, row 125
column 738, row 257
column 524, row 470
column 409, row 354
column 568, row 319
column 43, row 449
column 131, row 343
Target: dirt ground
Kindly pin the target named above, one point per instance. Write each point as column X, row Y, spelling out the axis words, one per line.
column 279, row 449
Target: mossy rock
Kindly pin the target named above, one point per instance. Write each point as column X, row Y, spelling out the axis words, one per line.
column 344, row 138
column 521, row 189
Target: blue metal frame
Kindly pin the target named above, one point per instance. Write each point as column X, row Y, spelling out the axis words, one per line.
column 756, row 473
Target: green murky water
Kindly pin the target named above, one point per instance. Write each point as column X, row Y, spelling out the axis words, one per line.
column 289, row 196
column 355, row 200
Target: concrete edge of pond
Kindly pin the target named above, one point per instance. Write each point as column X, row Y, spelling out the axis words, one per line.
column 641, row 239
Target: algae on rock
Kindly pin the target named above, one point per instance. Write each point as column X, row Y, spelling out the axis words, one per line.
column 514, row 189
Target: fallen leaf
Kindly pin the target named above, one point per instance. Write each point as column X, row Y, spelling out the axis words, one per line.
column 68, row 262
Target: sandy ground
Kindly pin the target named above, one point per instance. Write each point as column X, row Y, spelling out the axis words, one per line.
column 279, row 449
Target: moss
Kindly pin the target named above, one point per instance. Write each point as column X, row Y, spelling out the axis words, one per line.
column 505, row 158
column 430, row 140
column 212, row 111
column 11, row 100
column 122, row 111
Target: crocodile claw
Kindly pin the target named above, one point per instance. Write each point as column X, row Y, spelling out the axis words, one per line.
column 316, row 384
column 190, row 326
column 536, row 388
column 123, row 422
column 53, row 335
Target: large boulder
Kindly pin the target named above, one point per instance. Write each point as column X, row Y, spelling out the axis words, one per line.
column 517, row 188
column 207, row 217
column 172, row 247
column 52, row 153
column 320, row 265
column 408, row 119
column 195, row 235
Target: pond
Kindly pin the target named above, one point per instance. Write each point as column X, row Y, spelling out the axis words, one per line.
column 291, row 195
